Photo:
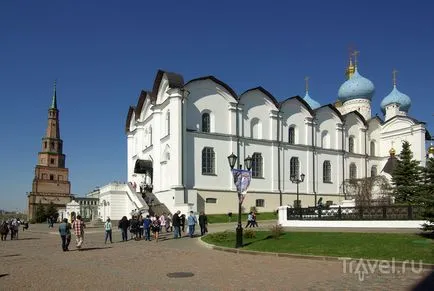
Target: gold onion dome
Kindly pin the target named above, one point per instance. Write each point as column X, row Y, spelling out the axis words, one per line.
column 431, row 149
column 392, row 152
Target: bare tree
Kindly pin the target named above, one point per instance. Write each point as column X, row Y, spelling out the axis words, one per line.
column 369, row 191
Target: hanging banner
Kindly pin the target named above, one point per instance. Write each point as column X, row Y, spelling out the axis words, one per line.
column 242, row 180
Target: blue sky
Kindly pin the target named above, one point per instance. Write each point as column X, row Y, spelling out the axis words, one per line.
column 104, row 52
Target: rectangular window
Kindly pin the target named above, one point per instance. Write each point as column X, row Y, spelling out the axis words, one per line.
column 52, row 161
column 326, row 172
column 260, row 203
column 208, row 161
column 257, row 165
column 294, row 167
column 211, row 200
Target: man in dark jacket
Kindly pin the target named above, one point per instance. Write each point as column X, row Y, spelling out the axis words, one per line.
column 176, row 222
column 124, row 224
column 203, row 223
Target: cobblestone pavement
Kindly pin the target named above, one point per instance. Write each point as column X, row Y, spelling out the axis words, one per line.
column 36, row 262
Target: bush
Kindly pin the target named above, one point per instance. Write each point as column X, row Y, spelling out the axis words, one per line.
column 248, row 233
column 276, row 231
column 219, row 236
column 253, row 209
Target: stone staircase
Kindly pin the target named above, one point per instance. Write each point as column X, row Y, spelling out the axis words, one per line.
column 155, row 206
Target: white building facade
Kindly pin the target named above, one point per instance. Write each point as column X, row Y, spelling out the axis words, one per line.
column 180, row 134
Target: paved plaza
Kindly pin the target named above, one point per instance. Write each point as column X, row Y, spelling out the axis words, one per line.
column 36, row 262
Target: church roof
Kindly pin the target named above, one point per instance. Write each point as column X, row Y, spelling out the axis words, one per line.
column 390, row 165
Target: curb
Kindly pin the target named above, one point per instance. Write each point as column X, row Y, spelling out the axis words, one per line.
column 397, row 264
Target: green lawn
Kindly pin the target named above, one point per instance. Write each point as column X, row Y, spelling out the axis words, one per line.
column 222, row 218
column 384, row 246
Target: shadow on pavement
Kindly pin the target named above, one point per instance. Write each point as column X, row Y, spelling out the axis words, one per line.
column 13, row 255
column 90, row 249
column 29, row 238
column 3, row 275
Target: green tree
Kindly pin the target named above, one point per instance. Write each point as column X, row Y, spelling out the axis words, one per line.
column 406, row 176
column 51, row 211
column 426, row 194
column 40, row 213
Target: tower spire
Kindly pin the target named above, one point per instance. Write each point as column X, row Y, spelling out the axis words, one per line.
column 394, row 77
column 306, row 80
column 350, row 69
column 355, row 54
column 54, row 101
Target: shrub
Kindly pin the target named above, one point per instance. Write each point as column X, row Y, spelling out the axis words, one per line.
column 276, row 231
column 253, row 209
column 249, row 233
column 219, row 236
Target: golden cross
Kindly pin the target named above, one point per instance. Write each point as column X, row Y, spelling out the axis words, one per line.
column 306, row 79
column 394, row 76
column 355, row 54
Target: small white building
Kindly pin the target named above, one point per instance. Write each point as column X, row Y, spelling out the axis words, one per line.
column 180, row 133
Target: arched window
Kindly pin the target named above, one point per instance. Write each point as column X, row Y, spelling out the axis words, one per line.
column 294, row 167
column 257, row 165
column 168, row 122
column 372, row 147
column 208, row 161
column 351, row 144
column 255, row 128
column 326, row 172
column 206, row 122
column 51, row 177
column 291, row 135
column 353, row 171
column 325, row 139
column 373, row 171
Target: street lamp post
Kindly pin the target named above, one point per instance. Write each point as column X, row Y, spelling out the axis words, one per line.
column 232, row 159
column 297, row 180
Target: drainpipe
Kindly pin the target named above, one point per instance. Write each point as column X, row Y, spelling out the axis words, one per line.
column 343, row 162
column 184, row 93
column 237, row 130
column 366, row 155
column 279, row 144
column 313, row 161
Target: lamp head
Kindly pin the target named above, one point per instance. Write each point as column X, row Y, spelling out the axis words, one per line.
column 248, row 163
column 302, row 177
column 232, row 159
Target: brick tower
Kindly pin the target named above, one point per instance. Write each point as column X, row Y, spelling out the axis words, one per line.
column 51, row 181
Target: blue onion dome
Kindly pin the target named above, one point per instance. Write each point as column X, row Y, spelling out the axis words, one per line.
column 356, row 87
column 396, row 97
column 312, row 103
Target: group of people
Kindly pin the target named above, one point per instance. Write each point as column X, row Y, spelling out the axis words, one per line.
column 149, row 226
column 12, row 226
column 251, row 220
column 65, row 229
column 138, row 226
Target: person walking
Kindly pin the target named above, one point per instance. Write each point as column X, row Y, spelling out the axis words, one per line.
column 203, row 223
column 156, row 227
column 123, row 226
column 176, row 222
column 191, row 221
column 65, row 234
column 147, row 227
column 182, row 223
column 108, row 230
column 78, row 226
column 249, row 220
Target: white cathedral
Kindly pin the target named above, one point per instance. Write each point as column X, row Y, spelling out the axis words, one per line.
column 180, row 134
